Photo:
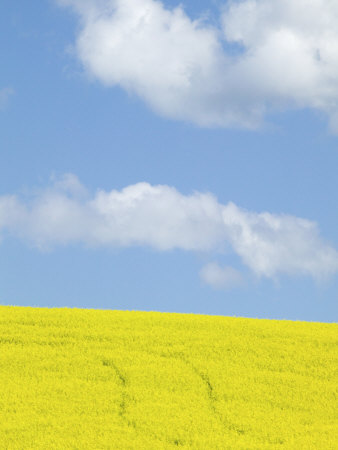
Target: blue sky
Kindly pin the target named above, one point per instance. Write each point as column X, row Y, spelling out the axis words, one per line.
column 152, row 162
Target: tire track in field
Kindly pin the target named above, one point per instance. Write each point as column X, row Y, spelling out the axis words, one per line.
column 210, row 391
column 122, row 379
column 123, row 404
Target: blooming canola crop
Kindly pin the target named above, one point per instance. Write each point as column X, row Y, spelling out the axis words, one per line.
column 92, row 379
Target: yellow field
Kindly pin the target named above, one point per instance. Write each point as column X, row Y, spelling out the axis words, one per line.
column 90, row 379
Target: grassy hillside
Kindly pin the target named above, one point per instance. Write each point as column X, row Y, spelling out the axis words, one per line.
column 89, row 379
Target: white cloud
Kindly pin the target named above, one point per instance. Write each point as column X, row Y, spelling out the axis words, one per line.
column 270, row 244
column 164, row 219
column 5, row 93
column 221, row 277
column 186, row 69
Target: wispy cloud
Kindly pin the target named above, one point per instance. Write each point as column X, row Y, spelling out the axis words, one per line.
column 164, row 219
column 223, row 278
column 264, row 56
column 5, row 93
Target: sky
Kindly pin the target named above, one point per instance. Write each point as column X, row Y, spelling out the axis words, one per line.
column 165, row 156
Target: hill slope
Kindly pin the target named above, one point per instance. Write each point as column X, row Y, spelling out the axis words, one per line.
column 72, row 378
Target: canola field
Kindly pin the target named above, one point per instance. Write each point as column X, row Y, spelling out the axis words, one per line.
column 91, row 379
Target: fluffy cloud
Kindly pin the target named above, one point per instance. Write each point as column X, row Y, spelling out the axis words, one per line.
column 265, row 55
column 270, row 243
column 221, row 277
column 164, row 219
